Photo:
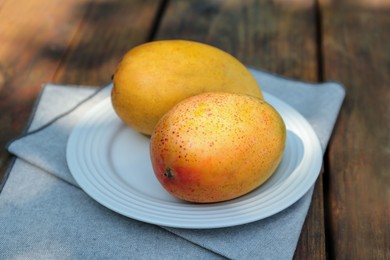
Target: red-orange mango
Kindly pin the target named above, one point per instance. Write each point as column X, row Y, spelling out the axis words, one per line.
column 217, row 146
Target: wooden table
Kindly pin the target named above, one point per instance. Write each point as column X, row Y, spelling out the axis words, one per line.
column 81, row 42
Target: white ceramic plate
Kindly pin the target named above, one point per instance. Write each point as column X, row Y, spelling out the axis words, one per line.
column 111, row 164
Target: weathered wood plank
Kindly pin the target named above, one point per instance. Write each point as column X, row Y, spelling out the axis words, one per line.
column 29, row 30
column 279, row 36
column 356, row 52
column 109, row 29
column 71, row 42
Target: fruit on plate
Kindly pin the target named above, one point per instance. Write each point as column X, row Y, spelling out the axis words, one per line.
column 153, row 77
column 217, row 146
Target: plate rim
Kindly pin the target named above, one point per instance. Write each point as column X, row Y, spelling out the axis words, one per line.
column 70, row 154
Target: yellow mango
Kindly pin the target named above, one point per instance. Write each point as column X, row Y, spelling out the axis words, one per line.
column 217, row 146
column 153, row 77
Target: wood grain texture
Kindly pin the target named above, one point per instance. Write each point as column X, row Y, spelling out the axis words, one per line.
column 356, row 53
column 109, row 29
column 71, row 42
column 28, row 32
column 278, row 36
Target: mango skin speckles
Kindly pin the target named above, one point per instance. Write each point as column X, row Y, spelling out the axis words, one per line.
column 217, row 146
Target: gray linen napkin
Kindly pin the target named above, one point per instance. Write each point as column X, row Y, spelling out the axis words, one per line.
column 43, row 213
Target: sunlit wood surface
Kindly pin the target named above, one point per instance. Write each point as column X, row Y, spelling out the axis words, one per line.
column 81, row 42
